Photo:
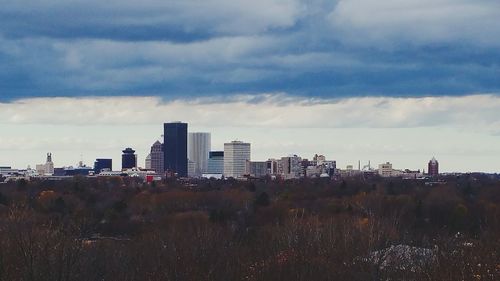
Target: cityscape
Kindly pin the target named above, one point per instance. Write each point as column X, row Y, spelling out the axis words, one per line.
column 236, row 140
column 185, row 154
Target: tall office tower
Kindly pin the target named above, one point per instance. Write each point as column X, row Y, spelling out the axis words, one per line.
column 175, row 148
column 156, row 158
column 216, row 162
column 236, row 155
column 433, row 167
column 198, row 149
column 103, row 164
column 129, row 159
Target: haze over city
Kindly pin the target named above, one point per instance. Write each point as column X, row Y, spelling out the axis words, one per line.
column 353, row 80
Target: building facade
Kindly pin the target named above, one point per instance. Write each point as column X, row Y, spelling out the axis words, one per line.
column 291, row 167
column 103, row 164
column 156, row 158
column 192, row 173
column 129, row 159
column 198, row 151
column 318, row 159
column 47, row 168
column 385, row 170
column 147, row 162
column 215, row 162
column 256, row 169
column 175, row 148
column 236, row 154
column 433, row 167
column 79, row 170
column 273, row 166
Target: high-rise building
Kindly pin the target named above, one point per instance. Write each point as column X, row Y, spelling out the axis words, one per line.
column 156, row 159
column 433, row 167
column 198, row 151
column 129, row 159
column 103, row 164
column 215, row 162
column 175, row 148
column 236, row 154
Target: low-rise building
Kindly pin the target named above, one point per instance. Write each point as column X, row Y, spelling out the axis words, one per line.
column 257, row 169
column 46, row 169
column 215, row 163
column 291, row 167
column 385, row 170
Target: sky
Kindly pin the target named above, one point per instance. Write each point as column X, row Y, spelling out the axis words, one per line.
column 380, row 80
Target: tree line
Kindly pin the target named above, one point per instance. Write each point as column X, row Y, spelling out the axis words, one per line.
column 307, row 229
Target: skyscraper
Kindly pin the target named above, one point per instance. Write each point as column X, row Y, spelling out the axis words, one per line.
column 236, row 154
column 433, row 167
column 175, row 148
column 198, row 150
column 156, row 158
column 129, row 159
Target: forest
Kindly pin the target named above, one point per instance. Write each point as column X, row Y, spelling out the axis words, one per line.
column 308, row 229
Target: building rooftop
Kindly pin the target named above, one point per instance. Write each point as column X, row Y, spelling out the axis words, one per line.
column 128, row 150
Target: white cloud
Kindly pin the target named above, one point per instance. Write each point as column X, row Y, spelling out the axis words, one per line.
column 388, row 22
column 460, row 131
column 475, row 112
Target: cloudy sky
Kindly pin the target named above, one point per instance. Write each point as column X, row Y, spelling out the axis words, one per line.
column 379, row 80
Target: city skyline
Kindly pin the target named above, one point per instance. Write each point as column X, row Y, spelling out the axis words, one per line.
column 462, row 146
column 250, row 140
column 354, row 80
column 174, row 125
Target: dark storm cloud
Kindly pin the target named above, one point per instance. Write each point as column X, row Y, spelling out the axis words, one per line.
column 204, row 48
